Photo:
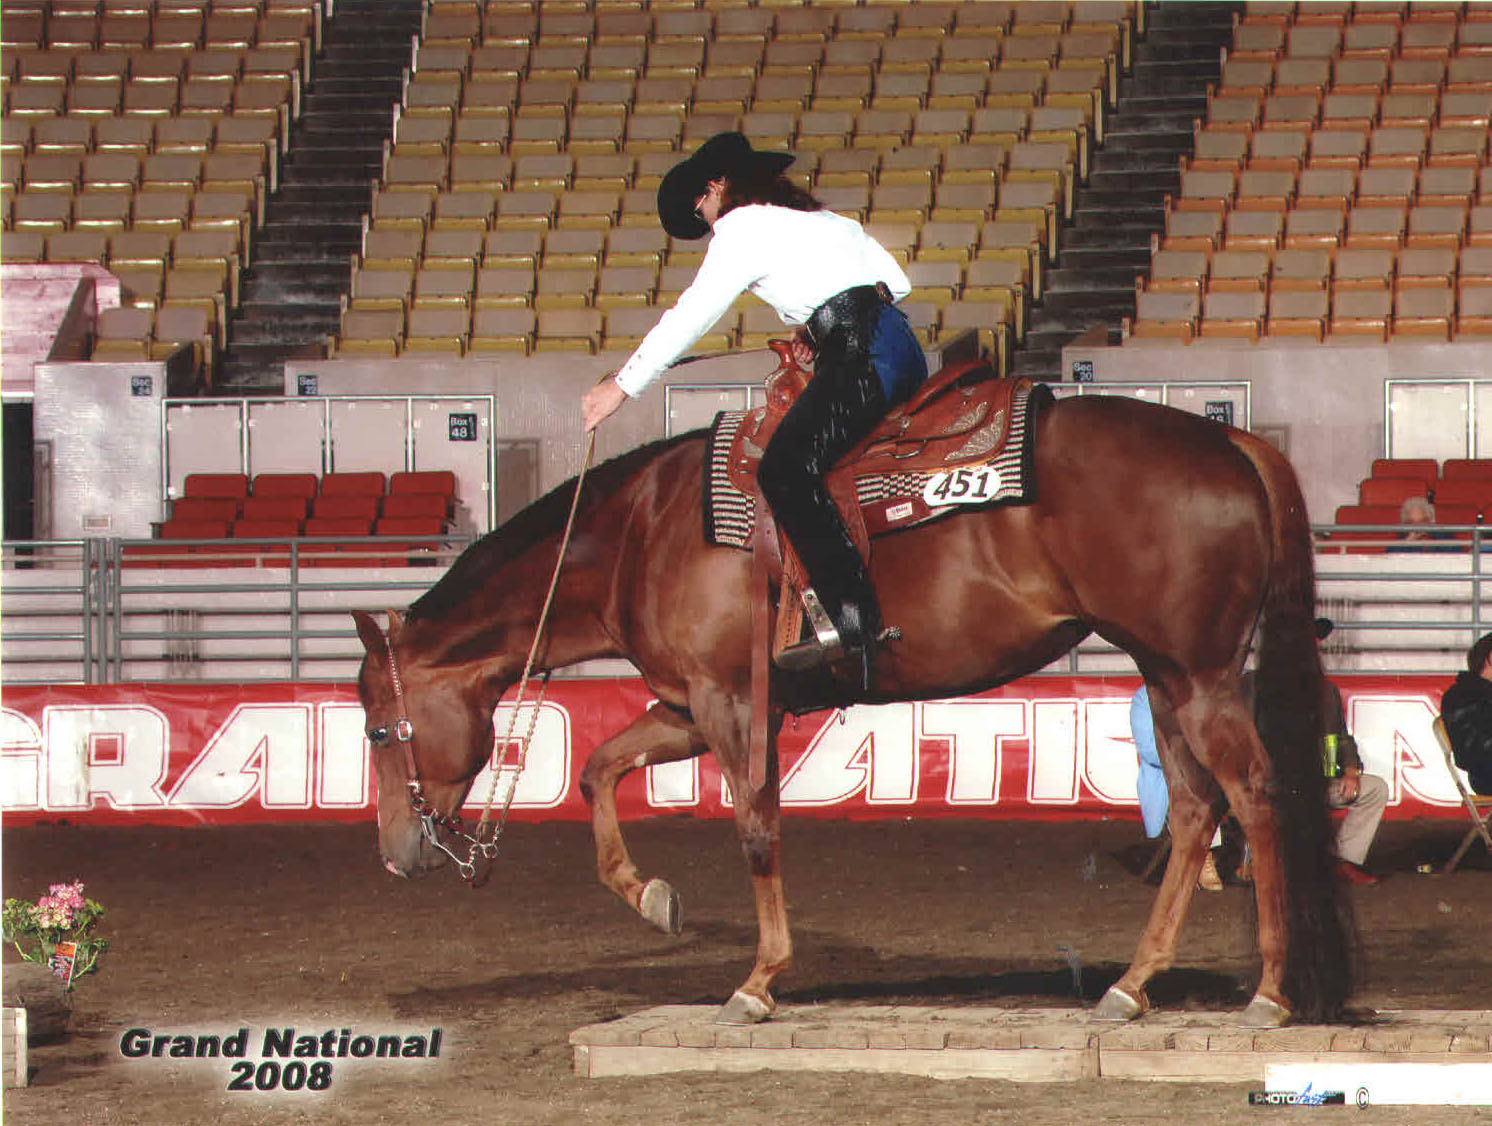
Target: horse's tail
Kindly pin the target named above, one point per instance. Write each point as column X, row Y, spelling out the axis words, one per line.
column 1319, row 960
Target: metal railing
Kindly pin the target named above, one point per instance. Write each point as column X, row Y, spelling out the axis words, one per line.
column 110, row 611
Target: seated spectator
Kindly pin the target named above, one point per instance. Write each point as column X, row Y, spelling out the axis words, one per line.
column 1420, row 513
column 1150, row 785
column 1363, row 796
column 1466, row 708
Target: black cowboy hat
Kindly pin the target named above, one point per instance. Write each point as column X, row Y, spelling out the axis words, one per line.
column 1324, row 626
column 724, row 154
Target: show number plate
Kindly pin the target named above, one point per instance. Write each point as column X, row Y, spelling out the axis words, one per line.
column 973, row 484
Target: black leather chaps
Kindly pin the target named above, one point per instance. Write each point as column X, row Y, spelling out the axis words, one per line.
column 840, row 406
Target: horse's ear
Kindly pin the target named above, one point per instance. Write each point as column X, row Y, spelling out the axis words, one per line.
column 368, row 631
column 396, row 622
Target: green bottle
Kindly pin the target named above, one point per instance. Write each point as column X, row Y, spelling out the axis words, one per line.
column 1333, row 767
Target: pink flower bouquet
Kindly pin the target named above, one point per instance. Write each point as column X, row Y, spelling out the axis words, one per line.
column 56, row 930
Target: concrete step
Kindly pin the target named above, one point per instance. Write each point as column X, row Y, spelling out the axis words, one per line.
column 1131, row 140
column 1192, row 100
column 1133, row 259
column 247, row 379
column 1145, row 162
column 1112, row 177
column 1104, row 236
column 1044, row 365
column 343, row 164
column 360, row 123
column 353, row 189
column 1070, row 278
column 314, row 282
column 281, row 330
column 385, row 82
column 327, row 247
column 315, row 102
column 1157, row 119
column 1134, row 208
column 346, row 64
column 1172, row 16
column 1081, row 310
column 313, row 312
column 388, row 55
column 298, row 213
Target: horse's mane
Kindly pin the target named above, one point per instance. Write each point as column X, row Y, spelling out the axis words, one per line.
column 543, row 517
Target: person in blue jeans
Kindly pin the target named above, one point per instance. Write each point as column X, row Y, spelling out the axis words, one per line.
column 1150, row 786
column 1363, row 796
column 824, row 274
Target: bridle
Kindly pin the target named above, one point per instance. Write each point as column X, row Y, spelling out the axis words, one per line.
column 433, row 820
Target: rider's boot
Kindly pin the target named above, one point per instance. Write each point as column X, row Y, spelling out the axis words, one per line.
column 845, row 624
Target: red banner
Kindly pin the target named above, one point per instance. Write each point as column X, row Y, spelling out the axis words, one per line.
column 1045, row 748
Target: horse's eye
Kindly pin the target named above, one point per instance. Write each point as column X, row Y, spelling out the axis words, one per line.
column 378, row 735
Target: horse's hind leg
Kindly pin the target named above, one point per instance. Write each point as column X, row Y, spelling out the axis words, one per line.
column 1222, row 733
column 1216, row 725
column 1192, row 819
column 659, row 735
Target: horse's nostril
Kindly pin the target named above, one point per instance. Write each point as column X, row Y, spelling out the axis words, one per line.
column 395, row 869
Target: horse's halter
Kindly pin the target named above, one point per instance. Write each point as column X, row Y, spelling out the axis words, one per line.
column 432, row 819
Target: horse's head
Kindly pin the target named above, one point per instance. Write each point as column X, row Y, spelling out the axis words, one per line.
column 431, row 733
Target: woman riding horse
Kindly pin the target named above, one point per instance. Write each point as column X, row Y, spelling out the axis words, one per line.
column 821, row 271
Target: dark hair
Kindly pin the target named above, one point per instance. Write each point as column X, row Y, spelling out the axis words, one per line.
column 1476, row 656
column 758, row 185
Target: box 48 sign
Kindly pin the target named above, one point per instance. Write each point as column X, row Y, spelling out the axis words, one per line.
column 1047, row 747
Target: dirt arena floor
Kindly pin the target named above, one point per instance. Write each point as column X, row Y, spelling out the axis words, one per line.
column 298, row 926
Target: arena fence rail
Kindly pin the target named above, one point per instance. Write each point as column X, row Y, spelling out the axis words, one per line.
column 111, row 611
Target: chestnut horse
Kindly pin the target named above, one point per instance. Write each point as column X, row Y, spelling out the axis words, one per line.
column 1171, row 536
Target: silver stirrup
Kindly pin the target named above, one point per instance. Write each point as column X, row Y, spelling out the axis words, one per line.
column 824, row 631
column 826, row 644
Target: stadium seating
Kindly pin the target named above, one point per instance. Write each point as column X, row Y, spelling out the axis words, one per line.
column 171, row 128
column 984, row 115
column 1366, row 131
column 326, row 516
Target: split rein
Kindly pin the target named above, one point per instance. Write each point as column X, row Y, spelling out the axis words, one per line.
column 433, row 820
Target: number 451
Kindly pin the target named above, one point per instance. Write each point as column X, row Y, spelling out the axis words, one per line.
column 962, row 486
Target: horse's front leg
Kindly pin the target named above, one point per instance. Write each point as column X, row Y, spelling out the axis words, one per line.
column 658, row 735
column 759, row 825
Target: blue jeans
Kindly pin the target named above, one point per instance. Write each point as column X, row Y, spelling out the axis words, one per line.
column 896, row 355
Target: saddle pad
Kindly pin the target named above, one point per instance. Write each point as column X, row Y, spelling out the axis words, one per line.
column 994, row 432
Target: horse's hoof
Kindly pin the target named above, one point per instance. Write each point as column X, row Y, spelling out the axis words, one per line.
column 1263, row 1013
column 659, row 905
column 743, row 1008
column 1117, row 1005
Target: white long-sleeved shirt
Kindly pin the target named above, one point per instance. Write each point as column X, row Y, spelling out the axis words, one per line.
column 792, row 260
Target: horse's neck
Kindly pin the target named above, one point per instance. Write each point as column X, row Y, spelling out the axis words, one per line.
column 499, row 624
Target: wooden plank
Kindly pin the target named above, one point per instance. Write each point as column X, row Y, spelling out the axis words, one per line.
column 1021, row 1065
column 13, row 1046
column 1025, row 1045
